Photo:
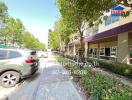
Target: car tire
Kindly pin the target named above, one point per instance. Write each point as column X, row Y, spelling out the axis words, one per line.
column 9, row 79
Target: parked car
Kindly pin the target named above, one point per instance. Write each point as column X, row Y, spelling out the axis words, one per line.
column 16, row 65
column 42, row 54
column 45, row 55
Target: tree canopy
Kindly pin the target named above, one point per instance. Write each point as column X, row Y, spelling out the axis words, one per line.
column 76, row 12
column 3, row 11
column 60, row 35
column 54, row 40
column 12, row 31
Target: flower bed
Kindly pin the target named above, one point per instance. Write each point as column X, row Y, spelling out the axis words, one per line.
column 99, row 86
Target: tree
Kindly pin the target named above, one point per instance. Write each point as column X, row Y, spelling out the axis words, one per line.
column 17, row 31
column 5, row 34
column 77, row 12
column 3, row 11
column 12, row 30
column 63, row 30
column 54, row 40
column 73, row 19
column 60, row 35
column 29, row 41
column 3, row 16
column 95, row 9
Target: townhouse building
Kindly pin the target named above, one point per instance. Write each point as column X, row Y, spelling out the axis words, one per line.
column 110, row 40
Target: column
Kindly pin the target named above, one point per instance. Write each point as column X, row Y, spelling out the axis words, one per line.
column 86, row 48
column 98, row 51
column 123, row 53
column 74, row 50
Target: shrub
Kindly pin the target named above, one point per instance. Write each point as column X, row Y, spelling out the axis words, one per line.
column 117, row 67
column 102, row 87
column 93, row 62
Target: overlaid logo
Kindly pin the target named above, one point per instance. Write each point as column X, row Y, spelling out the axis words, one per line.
column 117, row 11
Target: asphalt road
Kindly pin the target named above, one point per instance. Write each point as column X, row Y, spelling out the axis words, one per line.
column 51, row 82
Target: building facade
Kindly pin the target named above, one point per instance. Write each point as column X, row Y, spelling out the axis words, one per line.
column 112, row 40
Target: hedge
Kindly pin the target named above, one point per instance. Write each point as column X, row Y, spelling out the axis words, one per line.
column 99, row 86
column 116, row 67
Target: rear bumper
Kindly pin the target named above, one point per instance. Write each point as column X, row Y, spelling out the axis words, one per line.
column 34, row 69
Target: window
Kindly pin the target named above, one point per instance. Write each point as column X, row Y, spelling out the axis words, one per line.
column 14, row 54
column 111, row 19
column 113, row 52
column 108, row 21
column 95, row 50
column 107, row 51
column 33, row 53
column 90, row 52
column 102, row 51
column 130, row 52
column 3, row 54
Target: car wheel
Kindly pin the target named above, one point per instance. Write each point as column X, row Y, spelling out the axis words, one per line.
column 9, row 79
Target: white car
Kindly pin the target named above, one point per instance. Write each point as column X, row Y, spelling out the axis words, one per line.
column 42, row 54
column 45, row 55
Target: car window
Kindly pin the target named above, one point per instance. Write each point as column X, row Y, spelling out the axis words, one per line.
column 3, row 54
column 14, row 54
column 33, row 53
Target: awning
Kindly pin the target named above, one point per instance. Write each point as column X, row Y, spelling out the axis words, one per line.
column 75, row 42
column 112, row 32
column 109, row 33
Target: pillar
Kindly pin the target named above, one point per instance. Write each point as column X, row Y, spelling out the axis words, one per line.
column 88, row 44
column 86, row 49
column 98, row 51
column 123, row 53
column 74, row 50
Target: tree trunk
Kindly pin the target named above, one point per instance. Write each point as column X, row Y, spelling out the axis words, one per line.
column 13, row 42
column 81, row 50
column 81, row 40
column 5, row 40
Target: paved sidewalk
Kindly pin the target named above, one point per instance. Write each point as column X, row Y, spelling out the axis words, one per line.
column 5, row 91
column 56, row 85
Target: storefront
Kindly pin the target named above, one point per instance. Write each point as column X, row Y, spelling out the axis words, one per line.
column 114, row 44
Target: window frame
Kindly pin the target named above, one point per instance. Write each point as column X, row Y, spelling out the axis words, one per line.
column 92, row 54
column 100, row 51
column 14, row 57
column 95, row 49
column 113, row 51
column 109, row 52
column 110, row 20
column 6, row 56
column 130, row 58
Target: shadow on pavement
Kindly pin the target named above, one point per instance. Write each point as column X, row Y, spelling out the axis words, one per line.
column 33, row 77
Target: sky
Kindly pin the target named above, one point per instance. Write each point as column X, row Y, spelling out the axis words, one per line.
column 38, row 16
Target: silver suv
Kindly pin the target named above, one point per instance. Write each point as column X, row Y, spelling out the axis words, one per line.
column 16, row 64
